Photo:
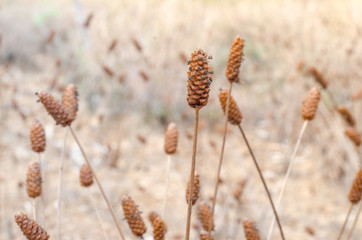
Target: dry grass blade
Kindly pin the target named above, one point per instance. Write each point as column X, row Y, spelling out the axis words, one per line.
column 251, row 233
column 133, row 216
column 31, row 229
column 37, row 137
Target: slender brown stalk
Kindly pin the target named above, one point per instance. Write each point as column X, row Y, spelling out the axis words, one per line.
column 220, row 160
column 98, row 183
column 42, row 194
column 34, row 208
column 290, row 166
column 350, row 233
column 263, row 181
column 345, row 221
column 192, row 174
column 166, row 187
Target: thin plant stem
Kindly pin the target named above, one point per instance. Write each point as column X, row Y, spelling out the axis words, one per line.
column 97, row 213
column 42, row 194
column 167, row 184
column 289, row 170
column 220, row 160
column 192, row 174
column 345, row 221
column 60, row 183
column 350, row 233
column 263, row 181
column 98, row 184
column 34, row 208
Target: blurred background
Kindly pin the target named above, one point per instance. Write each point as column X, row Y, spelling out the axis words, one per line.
column 128, row 60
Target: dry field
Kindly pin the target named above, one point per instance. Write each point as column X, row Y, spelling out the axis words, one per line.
column 127, row 59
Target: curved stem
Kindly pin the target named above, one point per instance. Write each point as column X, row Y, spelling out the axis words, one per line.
column 350, row 233
column 345, row 221
column 263, row 181
column 166, row 187
column 192, row 174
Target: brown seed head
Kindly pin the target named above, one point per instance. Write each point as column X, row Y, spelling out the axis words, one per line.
column 70, row 100
column 171, row 138
column 85, row 175
column 346, row 115
column 251, row 233
column 204, row 235
column 199, row 79
column 310, row 104
column 235, row 59
column 133, row 216
column 37, row 136
column 152, row 216
column 57, row 110
column 30, row 228
column 318, row 77
column 204, row 214
column 196, row 189
column 235, row 116
column 33, row 180
column 353, row 135
column 159, row 229
column 355, row 192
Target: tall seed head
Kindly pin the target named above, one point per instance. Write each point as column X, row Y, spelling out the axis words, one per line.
column 159, row 229
column 70, row 101
column 204, row 214
column 37, row 136
column 355, row 192
column 33, row 180
column 30, row 228
column 171, row 138
column 133, row 216
column 251, row 233
column 353, row 135
column 347, row 116
column 199, row 79
column 235, row 59
column 196, row 189
column 86, row 175
column 235, row 116
column 310, row 104
column 318, row 77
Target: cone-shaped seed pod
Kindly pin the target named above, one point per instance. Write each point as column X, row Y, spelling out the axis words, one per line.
column 196, row 189
column 235, row 116
column 31, row 229
column 235, row 59
column 353, row 135
column 318, row 77
column 33, row 180
column 171, row 138
column 57, row 110
column 133, row 216
column 159, row 229
column 70, row 100
column 199, row 79
column 204, row 234
column 204, row 214
column 37, row 136
column 346, row 115
column 251, row 233
column 152, row 216
column 355, row 192
column 310, row 104
column 85, row 175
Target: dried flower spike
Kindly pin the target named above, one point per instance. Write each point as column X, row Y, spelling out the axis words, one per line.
column 355, row 192
column 353, row 135
column 310, row 104
column 70, row 100
column 152, row 216
column 57, row 110
column 318, row 76
column 235, row 116
column 196, row 189
column 346, row 115
column 171, row 138
column 133, row 216
column 33, row 180
column 199, row 79
column 204, row 214
column 159, row 229
column 251, row 233
column 235, row 59
column 31, row 229
column 85, row 175
column 37, row 136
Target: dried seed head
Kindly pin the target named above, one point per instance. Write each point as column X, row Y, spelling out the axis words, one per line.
column 196, row 189
column 33, row 180
column 57, row 110
column 235, row 59
column 251, row 233
column 133, row 216
column 86, row 176
column 204, row 235
column 310, row 104
column 355, row 192
column 152, row 216
column 30, row 228
column 235, row 116
column 347, row 116
column 159, row 228
column 318, row 77
column 199, row 79
column 37, row 136
column 204, row 214
column 353, row 135
column 171, row 138
column 70, row 100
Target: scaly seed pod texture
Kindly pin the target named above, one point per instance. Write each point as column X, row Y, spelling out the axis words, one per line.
column 235, row 59
column 31, row 229
column 37, row 137
column 235, row 116
column 85, row 175
column 171, row 138
column 133, row 216
column 70, row 101
column 199, row 79
column 196, row 189
column 159, row 229
column 33, row 180
column 355, row 192
column 204, row 214
column 310, row 104
column 251, row 233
